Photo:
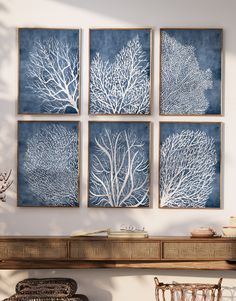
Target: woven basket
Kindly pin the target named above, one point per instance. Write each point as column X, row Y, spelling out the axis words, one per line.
column 187, row 291
column 47, row 287
column 18, row 297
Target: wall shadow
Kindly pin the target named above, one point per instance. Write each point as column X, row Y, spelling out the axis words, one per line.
column 140, row 12
column 6, row 47
column 8, row 280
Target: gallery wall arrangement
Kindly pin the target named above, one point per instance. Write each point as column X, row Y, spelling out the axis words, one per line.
column 119, row 153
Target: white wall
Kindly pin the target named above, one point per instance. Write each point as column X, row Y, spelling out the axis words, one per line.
column 117, row 285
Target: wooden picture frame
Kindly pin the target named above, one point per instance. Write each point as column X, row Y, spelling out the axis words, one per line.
column 48, row 168
column 119, row 164
column 191, row 64
column 190, row 171
column 120, row 71
column 49, row 71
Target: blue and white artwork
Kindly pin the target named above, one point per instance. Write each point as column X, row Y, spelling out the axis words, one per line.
column 48, row 167
column 190, row 71
column 120, row 62
column 190, row 165
column 119, row 164
column 49, row 71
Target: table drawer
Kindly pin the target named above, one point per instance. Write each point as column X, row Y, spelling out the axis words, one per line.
column 41, row 250
column 114, row 250
column 199, row 250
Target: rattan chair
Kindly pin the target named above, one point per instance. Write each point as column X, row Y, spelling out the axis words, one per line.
column 187, row 291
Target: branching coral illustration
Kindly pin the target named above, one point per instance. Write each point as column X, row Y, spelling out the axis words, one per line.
column 190, row 71
column 189, row 165
column 121, row 84
column 183, row 83
column 119, row 169
column 49, row 71
column 187, row 169
column 55, row 73
column 49, row 164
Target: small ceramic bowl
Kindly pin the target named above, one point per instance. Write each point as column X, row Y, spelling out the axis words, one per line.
column 203, row 232
column 229, row 231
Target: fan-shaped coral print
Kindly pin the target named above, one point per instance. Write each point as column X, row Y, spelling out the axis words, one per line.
column 120, row 84
column 49, row 164
column 190, row 72
column 189, row 166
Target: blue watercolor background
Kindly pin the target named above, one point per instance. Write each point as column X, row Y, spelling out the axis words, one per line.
column 29, row 102
column 141, row 129
column 26, row 130
column 211, row 129
column 208, row 44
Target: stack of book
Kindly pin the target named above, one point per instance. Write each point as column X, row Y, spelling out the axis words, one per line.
column 127, row 234
column 99, row 232
column 113, row 234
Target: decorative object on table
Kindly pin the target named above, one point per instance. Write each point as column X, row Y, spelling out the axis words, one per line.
column 48, row 167
column 125, row 231
column 203, row 232
column 190, row 164
column 47, row 289
column 119, row 164
column 188, row 291
column 190, row 71
column 49, row 71
column 5, row 183
column 128, row 234
column 230, row 231
column 131, row 228
column 130, row 231
column 99, row 232
column 120, row 71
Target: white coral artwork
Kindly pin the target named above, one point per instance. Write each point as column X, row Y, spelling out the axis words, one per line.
column 183, row 82
column 187, row 169
column 53, row 75
column 119, row 171
column 121, row 86
column 51, row 166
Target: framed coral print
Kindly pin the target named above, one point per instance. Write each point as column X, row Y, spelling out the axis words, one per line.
column 120, row 71
column 119, row 163
column 48, row 164
column 190, row 165
column 49, row 71
column 190, row 71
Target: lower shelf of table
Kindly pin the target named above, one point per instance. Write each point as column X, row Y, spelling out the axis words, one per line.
column 173, row 265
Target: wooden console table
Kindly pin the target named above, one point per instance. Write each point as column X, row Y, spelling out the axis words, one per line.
column 171, row 252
